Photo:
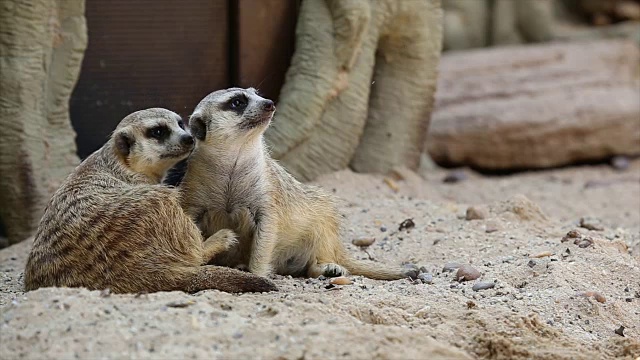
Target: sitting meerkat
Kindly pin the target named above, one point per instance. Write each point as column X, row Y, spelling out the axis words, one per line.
column 112, row 224
column 231, row 182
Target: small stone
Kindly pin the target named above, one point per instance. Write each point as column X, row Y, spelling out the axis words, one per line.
column 542, row 254
column 594, row 294
column 591, row 224
column 363, row 242
column 425, row 278
column 180, row 304
column 105, row 293
column 620, row 331
column 341, row 280
column 585, row 243
column 451, row 266
column 628, row 299
column 491, row 228
column 407, row 224
column 620, row 163
column 573, row 234
column 483, row 285
column 531, row 263
column 467, row 273
column 455, row 176
column 477, row 213
column 383, row 228
column 392, row 185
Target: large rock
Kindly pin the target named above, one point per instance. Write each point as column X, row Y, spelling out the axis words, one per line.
column 41, row 48
column 537, row 106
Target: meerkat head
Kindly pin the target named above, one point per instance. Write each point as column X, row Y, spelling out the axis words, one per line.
column 151, row 141
column 233, row 114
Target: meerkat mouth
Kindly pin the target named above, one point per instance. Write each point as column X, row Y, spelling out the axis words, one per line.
column 182, row 153
column 253, row 123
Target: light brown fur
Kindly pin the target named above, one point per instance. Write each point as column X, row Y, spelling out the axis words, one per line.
column 112, row 225
column 231, row 182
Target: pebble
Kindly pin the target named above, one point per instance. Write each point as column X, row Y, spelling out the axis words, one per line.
column 573, row 234
column 620, row 163
column 407, row 224
column 483, row 285
column 591, row 224
column 542, row 254
column 383, row 228
column 391, row 184
column 531, row 263
column 476, row 213
column 584, row 243
column 491, row 228
column 341, row 280
column 620, row 331
column 596, row 295
column 363, row 242
column 451, row 266
column 425, row 278
column 180, row 304
column 455, row 176
column 467, row 273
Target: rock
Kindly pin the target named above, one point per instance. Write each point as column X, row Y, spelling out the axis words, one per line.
column 383, row 228
column 491, row 227
column 591, row 224
column 406, row 224
column 594, row 294
column 425, row 278
column 620, row 163
column 483, row 285
column 620, row 331
column 455, row 176
column 363, row 242
column 542, row 254
column 536, row 106
column 340, row 280
column 451, row 266
column 573, row 234
column 467, row 273
column 531, row 263
column 584, row 243
column 477, row 213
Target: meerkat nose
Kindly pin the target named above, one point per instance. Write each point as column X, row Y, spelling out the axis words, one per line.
column 186, row 139
column 268, row 105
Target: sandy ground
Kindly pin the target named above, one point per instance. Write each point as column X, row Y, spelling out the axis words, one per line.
column 536, row 310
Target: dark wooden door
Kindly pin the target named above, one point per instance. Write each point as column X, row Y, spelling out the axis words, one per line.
column 171, row 53
column 147, row 53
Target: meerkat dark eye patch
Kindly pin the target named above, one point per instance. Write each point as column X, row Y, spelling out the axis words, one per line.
column 181, row 124
column 160, row 132
column 198, row 128
column 238, row 104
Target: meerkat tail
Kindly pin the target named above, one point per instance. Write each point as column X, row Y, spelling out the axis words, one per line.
column 375, row 271
column 227, row 280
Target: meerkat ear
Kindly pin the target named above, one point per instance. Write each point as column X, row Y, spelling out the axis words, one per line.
column 124, row 142
column 198, row 128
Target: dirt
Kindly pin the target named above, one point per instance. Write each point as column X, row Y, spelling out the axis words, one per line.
column 543, row 305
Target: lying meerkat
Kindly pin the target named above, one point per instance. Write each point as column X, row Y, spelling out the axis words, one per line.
column 112, row 225
column 231, row 182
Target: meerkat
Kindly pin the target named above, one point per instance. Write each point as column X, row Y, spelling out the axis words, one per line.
column 284, row 226
column 112, row 224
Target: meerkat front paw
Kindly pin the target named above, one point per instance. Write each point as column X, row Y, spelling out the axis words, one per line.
column 222, row 241
column 333, row 270
column 227, row 238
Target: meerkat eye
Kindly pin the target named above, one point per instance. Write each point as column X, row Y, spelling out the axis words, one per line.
column 238, row 102
column 158, row 132
column 181, row 124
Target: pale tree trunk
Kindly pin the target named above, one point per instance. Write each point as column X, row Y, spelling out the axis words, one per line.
column 360, row 86
column 42, row 43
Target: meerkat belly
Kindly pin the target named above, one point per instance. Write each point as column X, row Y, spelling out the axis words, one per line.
column 240, row 219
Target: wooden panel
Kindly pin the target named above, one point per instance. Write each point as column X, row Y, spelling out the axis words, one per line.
column 147, row 53
column 264, row 43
